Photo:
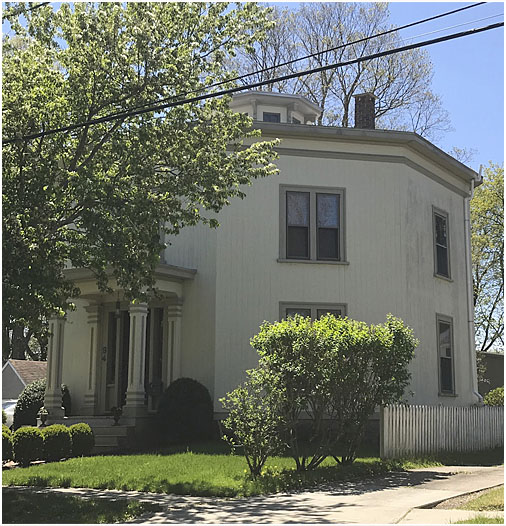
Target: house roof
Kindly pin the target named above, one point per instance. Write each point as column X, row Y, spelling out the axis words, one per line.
column 409, row 139
column 29, row 370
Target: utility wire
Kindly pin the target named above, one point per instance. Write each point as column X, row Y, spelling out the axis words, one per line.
column 23, row 10
column 287, row 63
column 254, row 85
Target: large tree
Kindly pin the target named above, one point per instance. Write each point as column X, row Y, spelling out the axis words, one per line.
column 401, row 82
column 487, row 227
column 97, row 197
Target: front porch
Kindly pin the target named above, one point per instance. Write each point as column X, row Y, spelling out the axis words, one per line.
column 120, row 354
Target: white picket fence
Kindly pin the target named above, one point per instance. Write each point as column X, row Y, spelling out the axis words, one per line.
column 416, row 431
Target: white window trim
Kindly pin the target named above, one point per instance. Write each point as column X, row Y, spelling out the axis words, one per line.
column 312, row 190
column 314, row 307
column 449, row 320
column 445, row 215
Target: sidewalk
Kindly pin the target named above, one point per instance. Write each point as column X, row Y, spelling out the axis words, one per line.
column 393, row 499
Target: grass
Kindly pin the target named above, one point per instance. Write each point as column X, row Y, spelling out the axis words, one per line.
column 49, row 508
column 481, row 519
column 492, row 500
column 202, row 470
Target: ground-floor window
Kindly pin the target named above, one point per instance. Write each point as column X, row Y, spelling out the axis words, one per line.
column 445, row 354
column 313, row 310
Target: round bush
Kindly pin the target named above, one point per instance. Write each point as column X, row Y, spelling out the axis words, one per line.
column 29, row 403
column 495, row 397
column 83, row 439
column 57, row 442
column 6, row 443
column 185, row 412
column 28, row 445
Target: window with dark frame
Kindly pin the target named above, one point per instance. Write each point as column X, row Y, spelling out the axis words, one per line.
column 327, row 226
column 311, row 223
column 271, row 117
column 445, row 355
column 314, row 311
column 297, row 225
column 441, row 244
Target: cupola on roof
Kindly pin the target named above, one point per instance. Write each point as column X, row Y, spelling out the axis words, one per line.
column 276, row 107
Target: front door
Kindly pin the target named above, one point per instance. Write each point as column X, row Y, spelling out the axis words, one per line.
column 118, row 341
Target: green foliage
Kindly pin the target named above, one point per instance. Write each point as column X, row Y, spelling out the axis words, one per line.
column 83, row 439
column 495, row 397
column 333, row 372
column 6, row 443
column 4, row 417
column 29, row 403
column 57, row 442
column 487, row 248
column 28, row 445
column 185, row 412
column 254, row 423
column 96, row 197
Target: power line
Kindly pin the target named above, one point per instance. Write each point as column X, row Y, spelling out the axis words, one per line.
column 287, row 63
column 254, row 85
column 23, row 10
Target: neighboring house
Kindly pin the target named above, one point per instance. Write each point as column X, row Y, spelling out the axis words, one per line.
column 17, row 374
column 494, row 371
column 359, row 222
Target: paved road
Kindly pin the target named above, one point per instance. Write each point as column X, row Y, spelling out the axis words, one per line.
column 393, row 499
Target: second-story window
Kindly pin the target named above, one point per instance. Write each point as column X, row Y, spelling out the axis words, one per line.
column 441, row 244
column 272, row 117
column 312, row 224
column 297, row 225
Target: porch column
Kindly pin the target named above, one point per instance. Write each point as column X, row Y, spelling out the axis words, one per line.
column 52, row 397
column 172, row 357
column 135, row 395
column 91, row 396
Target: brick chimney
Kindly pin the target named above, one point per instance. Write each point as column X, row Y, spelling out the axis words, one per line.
column 364, row 111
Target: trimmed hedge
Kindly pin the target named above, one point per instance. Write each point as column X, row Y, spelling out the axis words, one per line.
column 83, row 439
column 57, row 442
column 6, row 443
column 29, row 403
column 28, row 445
column 185, row 412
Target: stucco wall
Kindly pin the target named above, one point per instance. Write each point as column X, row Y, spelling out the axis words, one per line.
column 389, row 247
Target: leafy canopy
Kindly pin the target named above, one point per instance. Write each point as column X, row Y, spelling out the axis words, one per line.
column 98, row 197
column 487, row 248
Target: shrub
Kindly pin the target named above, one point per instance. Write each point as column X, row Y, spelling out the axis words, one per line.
column 29, row 403
column 57, row 442
column 4, row 417
column 254, row 422
column 83, row 439
column 185, row 412
column 333, row 370
column 495, row 397
column 6, row 443
column 28, row 445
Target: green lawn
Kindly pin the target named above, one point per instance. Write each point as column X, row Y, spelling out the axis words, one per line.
column 206, row 470
column 38, row 508
column 492, row 500
column 481, row 519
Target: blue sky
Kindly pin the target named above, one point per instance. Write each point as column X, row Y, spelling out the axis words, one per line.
column 468, row 72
